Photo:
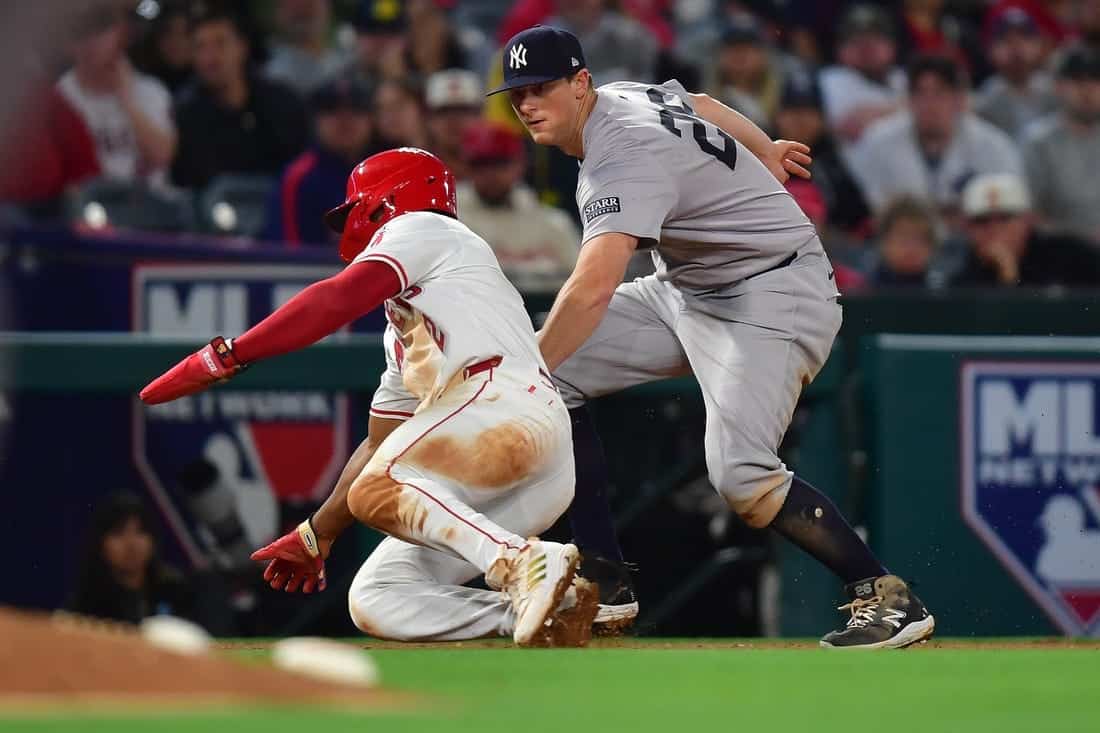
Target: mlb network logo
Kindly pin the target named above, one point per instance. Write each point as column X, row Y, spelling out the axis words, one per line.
column 1031, row 480
column 267, row 446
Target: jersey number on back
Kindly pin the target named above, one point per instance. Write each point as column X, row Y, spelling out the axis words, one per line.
column 671, row 114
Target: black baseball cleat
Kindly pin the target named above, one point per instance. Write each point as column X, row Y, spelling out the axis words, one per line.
column 618, row 605
column 885, row 615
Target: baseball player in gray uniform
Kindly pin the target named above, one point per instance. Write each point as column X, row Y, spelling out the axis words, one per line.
column 743, row 296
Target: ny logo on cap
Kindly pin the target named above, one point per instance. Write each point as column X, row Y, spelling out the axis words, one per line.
column 517, row 57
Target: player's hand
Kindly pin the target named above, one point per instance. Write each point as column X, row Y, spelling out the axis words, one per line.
column 296, row 561
column 209, row 365
column 789, row 158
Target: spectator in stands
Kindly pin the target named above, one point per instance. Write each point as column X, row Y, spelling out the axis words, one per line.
column 1062, row 155
column 1006, row 250
column 1021, row 91
column 454, row 99
column 380, row 40
column 800, row 117
column 865, row 85
column 746, row 75
column 164, row 50
column 232, row 120
column 316, row 178
column 616, row 47
column 304, row 55
column 907, row 238
column 927, row 27
column 433, row 44
column 536, row 244
column 807, row 27
column 121, row 577
column 46, row 151
column 808, row 197
column 1087, row 23
column 1055, row 18
column 933, row 148
column 399, row 114
column 127, row 112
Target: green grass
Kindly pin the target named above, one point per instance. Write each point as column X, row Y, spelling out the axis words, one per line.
column 673, row 687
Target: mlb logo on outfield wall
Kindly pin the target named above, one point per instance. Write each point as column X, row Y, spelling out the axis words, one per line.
column 1031, row 480
column 266, row 446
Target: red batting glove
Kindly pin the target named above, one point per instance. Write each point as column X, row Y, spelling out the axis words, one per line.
column 296, row 561
column 209, row 365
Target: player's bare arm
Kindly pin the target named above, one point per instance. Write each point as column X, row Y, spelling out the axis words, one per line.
column 583, row 299
column 784, row 158
column 333, row 517
column 294, row 562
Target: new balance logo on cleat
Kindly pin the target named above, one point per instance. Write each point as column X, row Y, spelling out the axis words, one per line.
column 885, row 614
column 893, row 617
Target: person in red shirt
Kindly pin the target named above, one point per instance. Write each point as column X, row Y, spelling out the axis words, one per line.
column 48, row 151
column 927, row 28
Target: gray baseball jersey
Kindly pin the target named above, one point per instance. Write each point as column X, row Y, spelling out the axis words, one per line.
column 652, row 169
column 744, row 296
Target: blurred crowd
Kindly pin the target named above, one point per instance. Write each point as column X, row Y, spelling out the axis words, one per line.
column 954, row 142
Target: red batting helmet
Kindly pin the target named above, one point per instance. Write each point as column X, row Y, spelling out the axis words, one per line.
column 387, row 185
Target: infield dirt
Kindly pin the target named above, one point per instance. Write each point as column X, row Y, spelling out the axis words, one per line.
column 49, row 661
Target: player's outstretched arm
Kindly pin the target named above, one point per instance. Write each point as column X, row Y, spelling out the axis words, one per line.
column 583, row 299
column 296, row 561
column 321, row 309
column 783, row 158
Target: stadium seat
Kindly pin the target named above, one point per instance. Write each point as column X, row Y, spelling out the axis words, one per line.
column 234, row 204
column 108, row 202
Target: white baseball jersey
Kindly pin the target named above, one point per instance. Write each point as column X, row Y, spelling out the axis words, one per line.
column 479, row 463
column 456, row 308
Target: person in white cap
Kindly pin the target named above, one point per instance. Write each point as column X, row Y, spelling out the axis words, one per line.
column 1005, row 247
column 454, row 100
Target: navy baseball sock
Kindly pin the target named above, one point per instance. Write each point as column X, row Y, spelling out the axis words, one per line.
column 590, row 514
column 810, row 520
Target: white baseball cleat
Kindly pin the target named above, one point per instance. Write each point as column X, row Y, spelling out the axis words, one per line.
column 537, row 581
column 618, row 604
column 616, row 615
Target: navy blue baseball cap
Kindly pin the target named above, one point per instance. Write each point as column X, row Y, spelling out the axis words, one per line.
column 538, row 55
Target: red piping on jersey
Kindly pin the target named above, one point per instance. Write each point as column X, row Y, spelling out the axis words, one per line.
column 292, row 181
column 395, row 459
column 393, row 263
column 390, row 413
column 482, row 366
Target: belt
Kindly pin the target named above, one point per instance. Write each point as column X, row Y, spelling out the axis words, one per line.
column 492, row 363
column 778, row 266
column 482, row 366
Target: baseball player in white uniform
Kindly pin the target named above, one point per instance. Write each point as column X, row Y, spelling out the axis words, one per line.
column 743, row 296
column 469, row 450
